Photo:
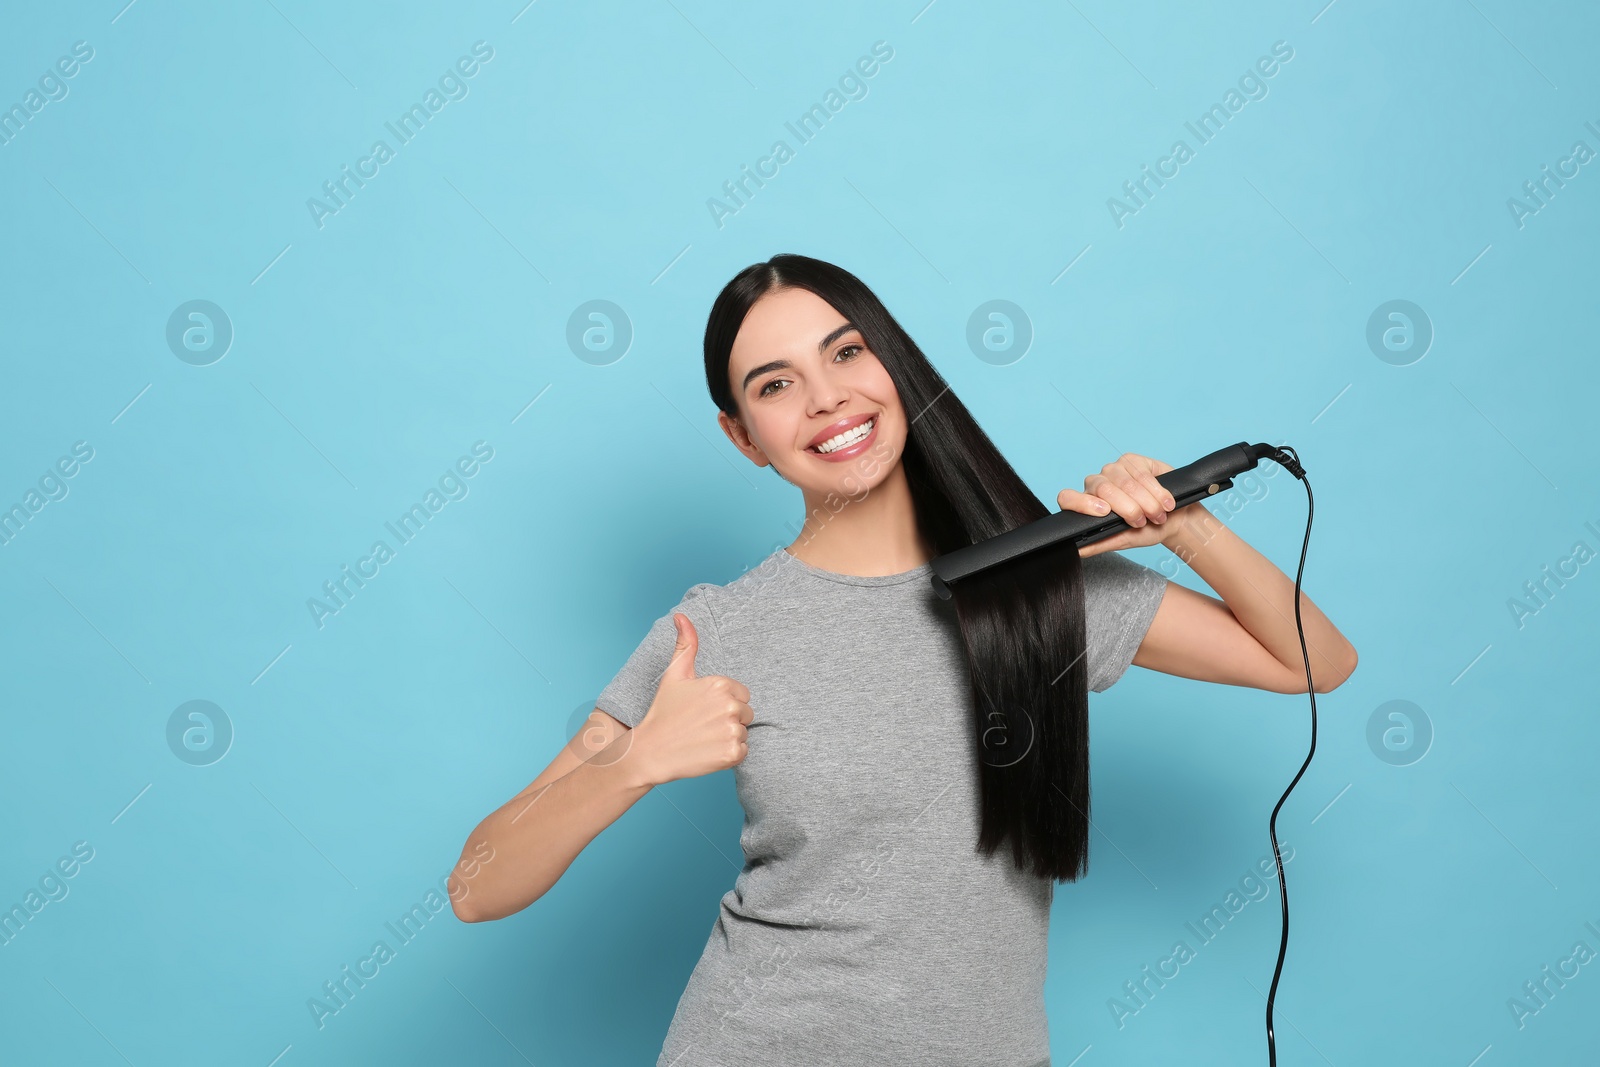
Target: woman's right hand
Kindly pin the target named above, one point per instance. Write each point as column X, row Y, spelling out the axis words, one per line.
column 695, row 725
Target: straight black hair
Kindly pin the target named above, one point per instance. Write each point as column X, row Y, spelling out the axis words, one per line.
column 1022, row 623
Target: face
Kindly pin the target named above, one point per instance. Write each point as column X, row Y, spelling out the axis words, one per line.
column 803, row 375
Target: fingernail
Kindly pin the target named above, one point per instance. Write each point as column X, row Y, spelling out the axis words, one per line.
column 1171, row 503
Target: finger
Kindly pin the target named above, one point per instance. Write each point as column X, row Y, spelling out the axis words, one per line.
column 1163, row 496
column 1128, row 479
column 683, row 652
column 1115, row 543
column 1157, row 511
column 1120, row 498
column 1087, row 503
column 1148, row 472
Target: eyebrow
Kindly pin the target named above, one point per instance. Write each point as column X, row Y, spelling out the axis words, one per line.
column 783, row 364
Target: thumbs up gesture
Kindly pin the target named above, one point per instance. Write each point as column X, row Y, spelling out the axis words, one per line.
column 695, row 725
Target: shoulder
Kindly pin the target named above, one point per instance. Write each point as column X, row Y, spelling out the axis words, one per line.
column 746, row 601
column 1120, row 591
column 765, row 577
column 707, row 603
column 700, row 602
column 1113, row 573
column 1120, row 599
column 769, row 570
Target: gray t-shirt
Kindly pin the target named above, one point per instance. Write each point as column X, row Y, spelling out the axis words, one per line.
column 865, row 927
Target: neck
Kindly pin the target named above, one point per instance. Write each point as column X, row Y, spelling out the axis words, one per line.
column 869, row 536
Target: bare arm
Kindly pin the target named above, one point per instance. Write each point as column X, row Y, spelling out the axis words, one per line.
column 696, row 725
column 1248, row 637
column 532, row 839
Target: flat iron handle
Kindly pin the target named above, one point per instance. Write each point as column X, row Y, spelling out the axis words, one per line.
column 1204, row 477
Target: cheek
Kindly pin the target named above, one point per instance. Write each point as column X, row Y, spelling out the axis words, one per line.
column 772, row 430
column 900, row 419
column 884, row 392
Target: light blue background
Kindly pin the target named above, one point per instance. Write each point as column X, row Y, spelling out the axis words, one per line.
column 427, row 314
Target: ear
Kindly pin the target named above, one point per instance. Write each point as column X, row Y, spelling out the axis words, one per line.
column 741, row 440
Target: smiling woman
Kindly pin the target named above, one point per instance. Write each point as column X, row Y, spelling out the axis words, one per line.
column 844, row 437
column 886, row 743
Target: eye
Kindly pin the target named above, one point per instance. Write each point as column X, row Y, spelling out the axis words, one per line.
column 767, row 390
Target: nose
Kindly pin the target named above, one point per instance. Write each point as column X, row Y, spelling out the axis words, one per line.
column 826, row 393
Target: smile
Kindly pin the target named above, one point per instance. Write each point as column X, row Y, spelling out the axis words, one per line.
column 846, row 444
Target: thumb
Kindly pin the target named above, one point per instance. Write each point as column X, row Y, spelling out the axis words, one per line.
column 683, row 653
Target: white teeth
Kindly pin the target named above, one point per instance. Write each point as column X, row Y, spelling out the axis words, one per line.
column 849, row 437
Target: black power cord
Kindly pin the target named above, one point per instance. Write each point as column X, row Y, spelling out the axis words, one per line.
column 1289, row 459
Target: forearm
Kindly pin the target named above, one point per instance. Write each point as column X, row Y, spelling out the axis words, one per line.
column 1260, row 596
column 537, row 834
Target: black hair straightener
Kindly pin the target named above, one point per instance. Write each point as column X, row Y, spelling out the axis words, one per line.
column 1204, row 477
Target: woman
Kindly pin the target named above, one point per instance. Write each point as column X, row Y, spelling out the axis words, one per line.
column 867, row 925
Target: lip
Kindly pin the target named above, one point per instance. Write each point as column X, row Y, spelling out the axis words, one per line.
column 837, row 428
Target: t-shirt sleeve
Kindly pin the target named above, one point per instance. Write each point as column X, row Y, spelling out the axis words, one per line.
column 629, row 694
column 1120, row 598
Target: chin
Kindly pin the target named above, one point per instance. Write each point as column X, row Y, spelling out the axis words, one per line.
column 856, row 477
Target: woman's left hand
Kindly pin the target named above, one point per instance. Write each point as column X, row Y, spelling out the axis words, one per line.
column 1128, row 487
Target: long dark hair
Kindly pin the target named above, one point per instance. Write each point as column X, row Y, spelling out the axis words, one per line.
column 1022, row 623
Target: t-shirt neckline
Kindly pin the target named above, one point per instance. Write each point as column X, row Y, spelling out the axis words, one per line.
column 911, row 575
